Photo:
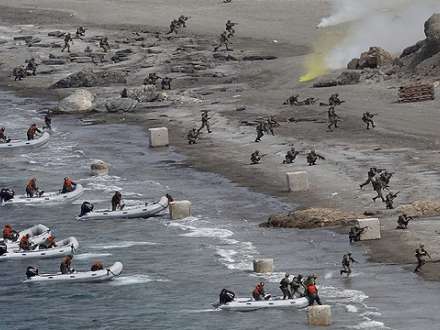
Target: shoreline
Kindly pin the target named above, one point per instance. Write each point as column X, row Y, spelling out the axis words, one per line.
column 261, row 87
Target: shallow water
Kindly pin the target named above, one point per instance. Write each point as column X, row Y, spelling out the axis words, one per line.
column 173, row 271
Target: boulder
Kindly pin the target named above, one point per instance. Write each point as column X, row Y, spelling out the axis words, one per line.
column 325, row 83
column 89, row 78
column 80, row 101
column 432, row 28
column 56, row 34
column 121, row 105
column 353, row 64
column 54, row 61
column 375, row 57
column 259, row 58
column 350, row 77
column 99, row 167
column 412, row 49
column 148, row 93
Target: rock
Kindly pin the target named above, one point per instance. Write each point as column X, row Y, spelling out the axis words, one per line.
column 57, row 34
column 263, row 266
column 353, row 64
column 310, row 218
column 432, row 28
column 375, row 57
column 99, row 167
column 422, row 209
column 180, row 210
column 125, row 52
column 224, row 57
column 325, row 83
column 412, row 49
column 148, row 93
column 89, row 78
column 23, row 38
column 154, row 50
column 349, row 77
column 121, row 105
column 54, row 61
column 258, row 58
column 80, row 101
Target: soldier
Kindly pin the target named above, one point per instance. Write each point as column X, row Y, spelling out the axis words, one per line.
column 355, row 233
column 151, row 79
column 48, row 120
column 230, row 28
column 291, row 156
column 80, row 32
column 103, row 43
column 403, row 221
column 124, row 93
column 260, row 131
column 223, row 40
column 347, row 261
column 67, row 40
column 367, row 118
column 312, row 157
column 32, row 66
column 371, row 174
column 166, row 83
column 421, row 255
column 385, row 178
column 19, row 73
column 296, row 284
column 334, row 100
column 256, row 157
column 3, row 137
column 389, row 198
column 292, row 100
column 182, row 20
column 205, row 121
column 193, row 136
column 173, row 26
column 377, row 186
column 333, row 118
column 285, row 287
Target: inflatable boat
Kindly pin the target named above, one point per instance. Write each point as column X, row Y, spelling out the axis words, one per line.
column 37, row 235
column 79, row 277
column 15, row 144
column 249, row 304
column 139, row 211
column 64, row 247
column 50, row 197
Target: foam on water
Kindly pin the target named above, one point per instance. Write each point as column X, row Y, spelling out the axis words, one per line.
column 345, row 295
column 135, row 279
column 370, row 324
column 226, row 255
column 351, row 308
column 120, row 245
column 85, row 256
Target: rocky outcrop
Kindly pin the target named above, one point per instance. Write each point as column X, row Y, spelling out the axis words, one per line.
column 349, row 77
column 324, row 82
column 89, row 78
column 310, row 218
column 148, row 93
column 432, row 29
column 121, row 105
column 421, row 208
column 80, row 101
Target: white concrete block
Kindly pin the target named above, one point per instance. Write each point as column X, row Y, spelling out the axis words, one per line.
column 298, row 181
column 180, row 209
column 99, row 167
column 263, row 265
column 159, row 137
column 373, row 230
column 319, row 315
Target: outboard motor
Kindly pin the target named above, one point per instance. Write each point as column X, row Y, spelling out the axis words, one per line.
column 6, row 194
column 86, row 207
column 31, row 272
column 226, row 296
column 3, row 248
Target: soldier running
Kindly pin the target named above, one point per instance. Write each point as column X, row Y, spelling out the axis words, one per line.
column 230, row 28
column 403, row 221
column 223, row 40
column 347, row 261
column 421, row 255
column 312, row 157
column 256, row 158
column 371, row 174
column 333, row 118
column 389, row 199
column 367, row 118
column 205, row 121
column 166, row 83
column 260, row 131
column 67, row 40
column 193, row 136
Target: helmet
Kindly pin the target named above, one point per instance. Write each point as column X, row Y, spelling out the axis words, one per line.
column 287, row 275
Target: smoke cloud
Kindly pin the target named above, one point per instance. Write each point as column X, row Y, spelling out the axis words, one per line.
column 390, row 24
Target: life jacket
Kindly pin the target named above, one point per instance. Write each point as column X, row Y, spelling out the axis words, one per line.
column 259, row 289
column 7, row 232
column 97, row 266
column 24, row 243
column 31, row 185
column 32, row 130
column 311, row 289
column 68, row 184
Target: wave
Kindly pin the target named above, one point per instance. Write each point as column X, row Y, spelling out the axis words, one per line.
column 135, row 279
column 120, row 245
column 85, row 256
column 370, row 324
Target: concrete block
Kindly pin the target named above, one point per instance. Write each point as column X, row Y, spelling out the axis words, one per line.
column 373, row 230
column 319, row 315
column 298, row 181
column 159, row 137
column 98, row 167
column 263, row 265
column 180, row 209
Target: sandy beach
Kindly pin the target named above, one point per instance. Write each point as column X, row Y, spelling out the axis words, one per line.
column 406, row 141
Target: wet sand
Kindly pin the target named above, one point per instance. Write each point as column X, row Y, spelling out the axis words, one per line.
column 405, row 142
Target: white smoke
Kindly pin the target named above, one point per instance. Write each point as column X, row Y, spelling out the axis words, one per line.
column 390, row 24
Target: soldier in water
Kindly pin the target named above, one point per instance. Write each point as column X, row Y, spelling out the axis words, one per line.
column 347, row 261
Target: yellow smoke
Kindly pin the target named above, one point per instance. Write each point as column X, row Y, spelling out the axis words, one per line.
column 315, row 64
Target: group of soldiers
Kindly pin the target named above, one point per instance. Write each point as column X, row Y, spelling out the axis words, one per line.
column 178, row 23
column 266, row 126
column 152, row 79
column 380, row 180
column 294, row 100
column 290, row 157
column 193, row 134
column 81, row 32
column 22, row 71
column 226, row 35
